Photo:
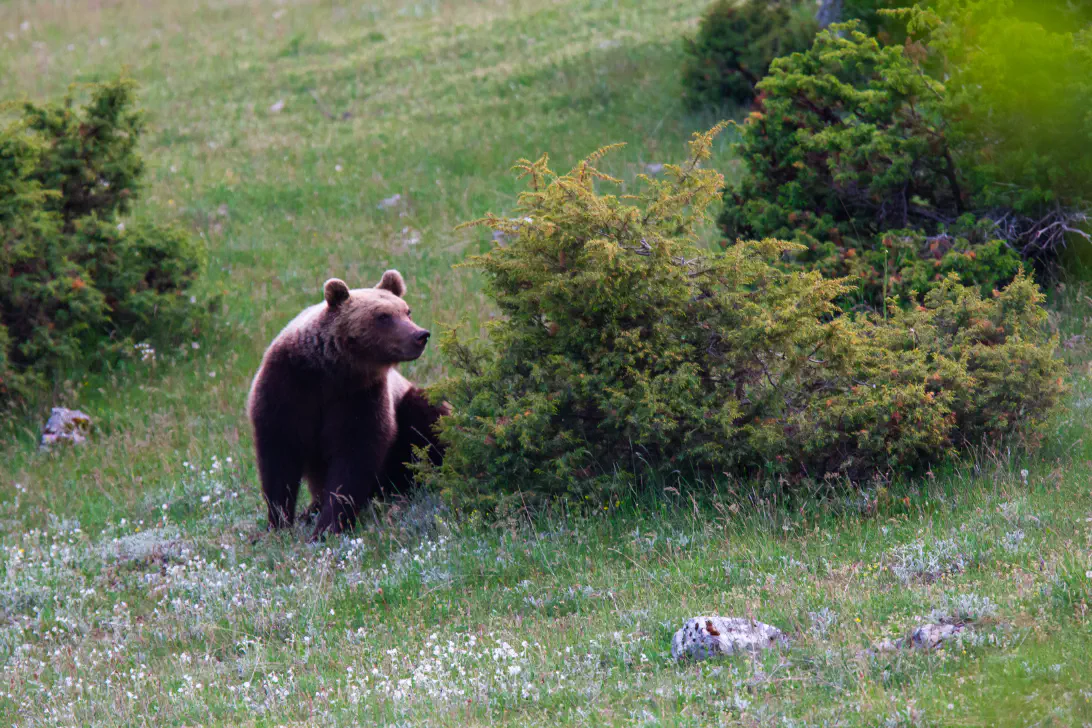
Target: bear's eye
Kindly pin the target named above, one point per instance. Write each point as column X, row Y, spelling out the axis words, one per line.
column 408, row 312
column 383, row 318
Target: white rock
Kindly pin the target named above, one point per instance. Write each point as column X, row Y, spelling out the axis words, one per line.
column 703, row 637
column 277, row 106
column 65, row 425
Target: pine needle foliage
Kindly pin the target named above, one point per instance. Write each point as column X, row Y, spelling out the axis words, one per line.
column 77, row 282
column 627, row 347
column 90, row 159
column 737, row 40
column 735, row 43
column 875, row 18
column 849, row 154
column 896, row 180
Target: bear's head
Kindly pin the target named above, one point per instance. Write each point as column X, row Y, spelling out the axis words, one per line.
column 372, row 326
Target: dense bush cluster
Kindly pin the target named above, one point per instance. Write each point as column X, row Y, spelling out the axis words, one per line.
column 851, row 153
column 737, row 40
column 627, row 347
column 848, row 154
column 76, row 281
column 847, row 140
column 735, row 43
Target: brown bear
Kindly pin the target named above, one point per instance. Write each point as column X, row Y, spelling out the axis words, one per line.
column 328, row 404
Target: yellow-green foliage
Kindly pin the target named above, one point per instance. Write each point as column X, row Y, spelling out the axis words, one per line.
column 626, row 347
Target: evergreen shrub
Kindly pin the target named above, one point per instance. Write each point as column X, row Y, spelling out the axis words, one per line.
column 77, row 282
column 627, row 347
column 737, row 40
column 873, row 19
column 850, row 155
column 735, row 43
column 888, row 176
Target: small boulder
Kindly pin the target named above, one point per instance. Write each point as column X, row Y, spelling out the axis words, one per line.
column 925, row 637
column 65, row 425
column 703, row 637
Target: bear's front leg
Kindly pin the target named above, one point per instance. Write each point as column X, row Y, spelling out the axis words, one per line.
column 350, row 483
column 280, row 466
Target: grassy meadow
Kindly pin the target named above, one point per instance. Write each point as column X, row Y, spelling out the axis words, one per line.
column 137, row 586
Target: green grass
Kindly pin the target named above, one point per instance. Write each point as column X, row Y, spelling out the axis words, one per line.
column 136, row 560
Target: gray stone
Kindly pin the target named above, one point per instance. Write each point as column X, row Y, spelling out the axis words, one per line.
column 925, row 637
column 703, row 637
column 65, row 425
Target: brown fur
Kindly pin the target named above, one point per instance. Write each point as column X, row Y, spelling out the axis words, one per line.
column 328, row 404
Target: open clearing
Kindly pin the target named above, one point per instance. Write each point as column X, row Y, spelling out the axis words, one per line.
column 134, row 587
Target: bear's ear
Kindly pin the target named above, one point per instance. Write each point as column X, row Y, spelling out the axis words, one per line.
column 392, row 281
column 336, row 291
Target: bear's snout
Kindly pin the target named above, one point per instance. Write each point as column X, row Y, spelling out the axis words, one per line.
column 415, row 342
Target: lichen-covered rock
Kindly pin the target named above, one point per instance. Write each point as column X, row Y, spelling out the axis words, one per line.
column 65, row 425
column 703, row 637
